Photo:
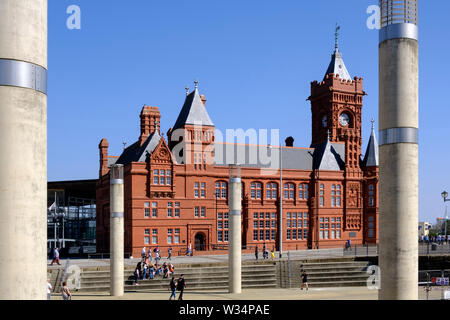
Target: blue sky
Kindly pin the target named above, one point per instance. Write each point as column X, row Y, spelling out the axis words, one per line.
column 254, row 61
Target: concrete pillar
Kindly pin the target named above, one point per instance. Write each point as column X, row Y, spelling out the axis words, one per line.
column 23, row 149
column 234, row 236
column 116, row 233
column 399, row 119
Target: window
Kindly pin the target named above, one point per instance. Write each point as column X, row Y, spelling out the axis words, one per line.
column 371, row 227
column 255, row 190
column 169, row 210
column 147, row 231
column 154, row 236
column 271, row 191
column 146, row 240
column 154, row 210
column 221, row 190
column 203, row 212
column 222, row 224
column 321, row 192
column 196, row 189
column 197, row 212
column 203, row 190
column 255, row 235
column 168, row 177
column 162, row 177
column 147, row 209
column 371, row 195
column 297, row 225
column 289, row 191
column 255, row 224
column 303, row 191
column 338, row 195
column 169, row 239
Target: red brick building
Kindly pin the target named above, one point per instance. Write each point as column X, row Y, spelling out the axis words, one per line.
column 176, row 189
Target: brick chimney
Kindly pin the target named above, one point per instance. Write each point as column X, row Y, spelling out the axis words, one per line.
column 103, row 149
column 289, row 142
column 150, row 122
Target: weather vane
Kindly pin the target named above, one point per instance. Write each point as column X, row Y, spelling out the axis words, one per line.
column 336, row 34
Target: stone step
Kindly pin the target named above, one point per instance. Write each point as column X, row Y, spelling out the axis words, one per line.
column 327, row 284
column 334, row 269
column 335, row 264
column 106, row 280
column 342, row 278
column 143, row 287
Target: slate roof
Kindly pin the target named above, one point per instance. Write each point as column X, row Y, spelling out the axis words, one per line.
column 337, row 66
column 329, row 156
column 371, row 157
column 193, row 112
column 136, row 153
column 261, row 156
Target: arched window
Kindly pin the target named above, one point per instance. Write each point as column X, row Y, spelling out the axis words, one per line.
column 271, row 191
column 321, row 192
column 221, row 190
column 289, row 191
column 336, row 195
column 303, row 191
column 256, row 190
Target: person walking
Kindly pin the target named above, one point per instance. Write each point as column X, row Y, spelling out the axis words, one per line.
column 55, row 257
column 173, row 288
column 264, row 252
column 170, row 253
column 273, row 254
column 304, row 280
column 137, row 272
column 143, row 252
column 181, row 284
column 256, row 253
column 66, row 295
column 49, row 289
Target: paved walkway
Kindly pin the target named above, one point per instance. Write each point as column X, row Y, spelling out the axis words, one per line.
column 300, row 254
column 351, row 293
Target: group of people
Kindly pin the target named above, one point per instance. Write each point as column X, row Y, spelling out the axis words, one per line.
column 147, row 270
column 265, row 253
column 157, row 252
column 439, row 239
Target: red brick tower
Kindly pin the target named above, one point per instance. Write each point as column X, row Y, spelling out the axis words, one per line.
column 336, row 106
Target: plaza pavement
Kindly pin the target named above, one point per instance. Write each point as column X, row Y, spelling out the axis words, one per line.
column 350, row 293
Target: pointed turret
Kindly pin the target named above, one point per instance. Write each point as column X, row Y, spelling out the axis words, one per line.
column 193, row 111
column 371, row 156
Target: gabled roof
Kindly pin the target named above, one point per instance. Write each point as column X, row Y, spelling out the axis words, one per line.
column 135, row 153
column 329, row 156
column 193, row 112
column 337, row 66
column 371, row 157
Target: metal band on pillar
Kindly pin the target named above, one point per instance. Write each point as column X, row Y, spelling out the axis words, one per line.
column 117, row 215
column 23, row 74
column 399, row 135
column 116, row 181
column 235, row 212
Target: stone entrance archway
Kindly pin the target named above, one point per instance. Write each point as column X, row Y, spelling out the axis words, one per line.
column 200, row 241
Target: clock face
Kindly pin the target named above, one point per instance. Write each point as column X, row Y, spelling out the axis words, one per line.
column 344, row 119
column 324, row 121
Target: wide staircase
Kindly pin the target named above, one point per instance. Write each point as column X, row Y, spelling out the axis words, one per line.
column 197, row 278
column 335, row 274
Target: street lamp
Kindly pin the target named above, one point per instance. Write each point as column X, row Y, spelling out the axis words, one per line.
column 444, row 195
column 280, row 219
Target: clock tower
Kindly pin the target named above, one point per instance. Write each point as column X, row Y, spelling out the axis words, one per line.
column 336, row 107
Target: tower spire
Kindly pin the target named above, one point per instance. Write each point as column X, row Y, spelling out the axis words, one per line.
column 336, row 37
